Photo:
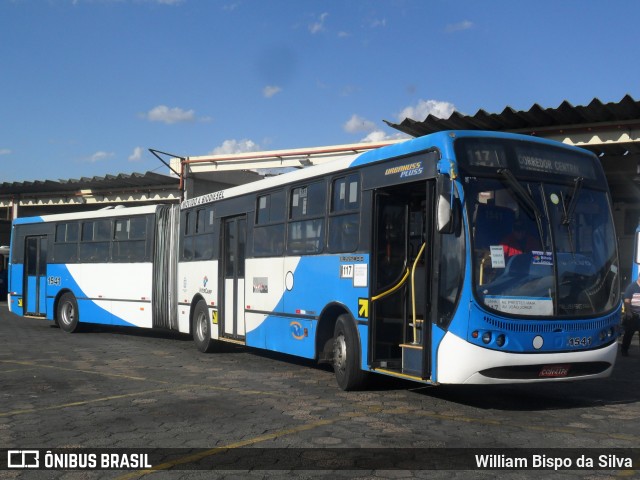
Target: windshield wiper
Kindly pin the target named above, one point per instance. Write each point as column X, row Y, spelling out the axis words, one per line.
column 525, row 196
column 568, row 213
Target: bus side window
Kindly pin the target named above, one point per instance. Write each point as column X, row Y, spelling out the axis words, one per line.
column 268, row 233
column 344, row 217
column 306, row 219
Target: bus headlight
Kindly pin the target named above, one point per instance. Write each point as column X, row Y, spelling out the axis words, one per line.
column 500, row 339
column 486, row 337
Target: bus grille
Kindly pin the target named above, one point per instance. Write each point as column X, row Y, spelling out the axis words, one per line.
column 542, row 326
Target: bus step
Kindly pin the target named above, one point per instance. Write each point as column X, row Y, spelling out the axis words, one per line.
column 411, row 358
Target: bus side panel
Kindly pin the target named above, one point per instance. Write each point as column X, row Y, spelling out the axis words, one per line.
column 109, row 294
column 15, row 289
column 363, row 331
column 197, row 278
column 311, row 283
column 264, row 287
column 285, row 335
column 324, row 279
column 437, row 334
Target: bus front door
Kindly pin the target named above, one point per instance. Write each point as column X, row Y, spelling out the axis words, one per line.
column 234, row 239
column 35, row 276
column 400, row 332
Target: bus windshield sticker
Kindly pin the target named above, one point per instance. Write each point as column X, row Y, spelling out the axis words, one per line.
column 497, row 256
column 360, row 275
column 520, row 305
column 541, row 258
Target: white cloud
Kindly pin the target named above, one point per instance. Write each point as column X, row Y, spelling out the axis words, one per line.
column 5, row 151
column 270, row 90
column 232, row 146
column 136, row 155
column 99, row 156
column 167, row 115
column 378, row 136
column 424, row 108
column 358, row 124
column 458, row 27
column 318, row 26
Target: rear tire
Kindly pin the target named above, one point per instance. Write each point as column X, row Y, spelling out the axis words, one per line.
column 67, row 314
column 201, row 327
column 346, row 355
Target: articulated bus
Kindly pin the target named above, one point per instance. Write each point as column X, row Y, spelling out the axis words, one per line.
column 457, row 257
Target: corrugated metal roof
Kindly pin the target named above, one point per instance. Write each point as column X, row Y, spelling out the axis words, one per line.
column 107, row 183
column 532, row 121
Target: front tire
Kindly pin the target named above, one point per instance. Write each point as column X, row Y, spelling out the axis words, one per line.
column 67, row 314
column 201, row 328
column 346, row 355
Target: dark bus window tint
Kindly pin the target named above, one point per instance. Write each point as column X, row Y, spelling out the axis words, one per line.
column 305, row 236
column 187, row 248
column 278, row 208
column 72, row 232
column 87, row 231
column 203, row 247
column 209, row 220
column 32, row 256
column 65, row 252
column 268, row 241
column 61, row 232
column 121, row 229
column 346, row 194
column 343, row 233
column 262, row 215
column 129, row 251
column 102, row 230
column 200, row 221
column 308, row 201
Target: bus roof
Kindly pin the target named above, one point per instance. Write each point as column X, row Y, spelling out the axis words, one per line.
column 101, row 213
column 441, row 140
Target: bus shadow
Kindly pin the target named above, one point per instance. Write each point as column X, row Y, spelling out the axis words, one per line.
column 622, row 387
column 93, row 328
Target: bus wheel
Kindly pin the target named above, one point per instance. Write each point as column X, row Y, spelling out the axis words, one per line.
column 201, row 328
column 67, row 315
column 346, row 355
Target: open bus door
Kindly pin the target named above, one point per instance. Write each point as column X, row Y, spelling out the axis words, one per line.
column 401, row 284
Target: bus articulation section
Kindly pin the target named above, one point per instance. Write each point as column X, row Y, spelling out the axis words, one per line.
column 458, row 257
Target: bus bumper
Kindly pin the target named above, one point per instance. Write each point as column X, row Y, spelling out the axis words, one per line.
column 461, row 362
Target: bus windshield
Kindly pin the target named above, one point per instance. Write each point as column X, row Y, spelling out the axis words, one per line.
column 542, row 249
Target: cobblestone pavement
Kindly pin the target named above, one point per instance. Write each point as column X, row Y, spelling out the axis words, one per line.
column 118, row 388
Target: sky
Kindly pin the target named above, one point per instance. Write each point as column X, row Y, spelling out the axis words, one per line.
column 88, row 86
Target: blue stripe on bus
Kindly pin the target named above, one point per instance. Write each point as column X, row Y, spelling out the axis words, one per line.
column 317, row 283
column 89, row 311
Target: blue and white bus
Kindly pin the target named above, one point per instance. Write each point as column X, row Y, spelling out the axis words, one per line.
column 103, row 267
column 457, row 257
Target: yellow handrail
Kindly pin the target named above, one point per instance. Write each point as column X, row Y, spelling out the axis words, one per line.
column 413, row 292
column 392, row 289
